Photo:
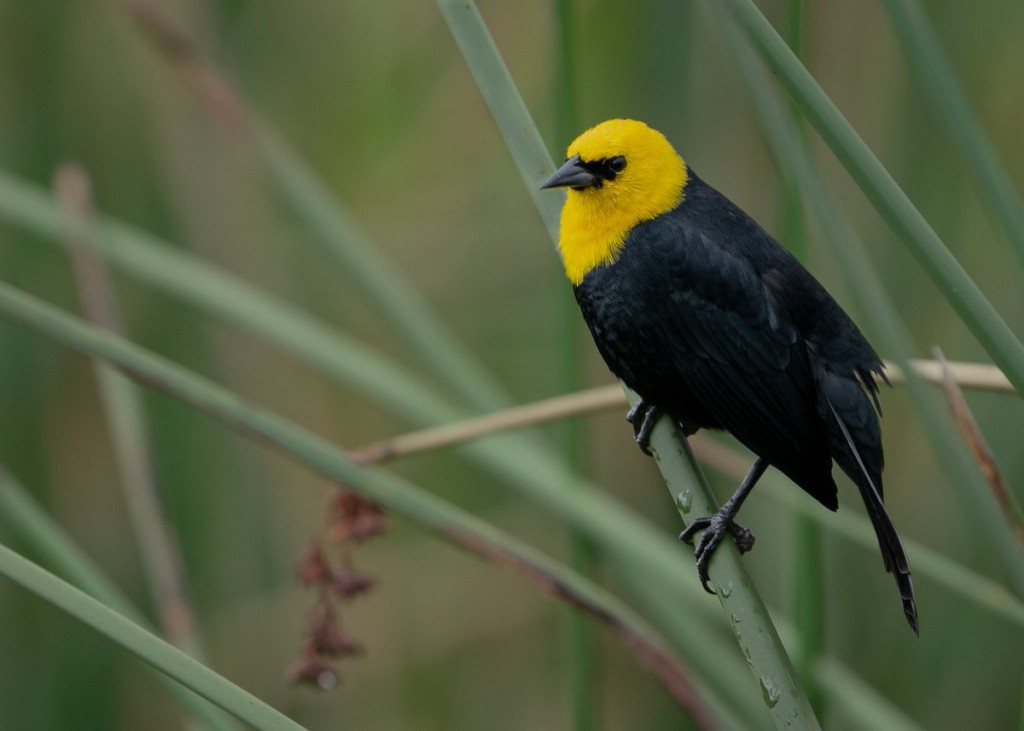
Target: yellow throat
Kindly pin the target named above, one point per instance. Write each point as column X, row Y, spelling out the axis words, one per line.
column 595, row 220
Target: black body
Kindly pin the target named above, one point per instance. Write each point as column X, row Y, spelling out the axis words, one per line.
column 706, row 316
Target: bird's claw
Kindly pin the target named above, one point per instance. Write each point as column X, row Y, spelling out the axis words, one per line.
column 643, row 416
column 715, row 529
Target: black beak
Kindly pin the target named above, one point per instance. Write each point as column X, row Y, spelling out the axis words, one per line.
column 573, row 175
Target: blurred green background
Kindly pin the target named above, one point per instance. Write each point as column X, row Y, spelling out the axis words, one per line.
column 377, row 100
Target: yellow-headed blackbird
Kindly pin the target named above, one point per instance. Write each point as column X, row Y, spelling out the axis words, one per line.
column 710, row 321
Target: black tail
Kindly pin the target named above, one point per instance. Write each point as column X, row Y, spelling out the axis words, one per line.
column 893, row 555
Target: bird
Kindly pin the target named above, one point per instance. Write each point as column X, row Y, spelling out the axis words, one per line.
column 715, row 325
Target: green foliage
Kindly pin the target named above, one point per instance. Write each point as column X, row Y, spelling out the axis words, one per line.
column 361, row 259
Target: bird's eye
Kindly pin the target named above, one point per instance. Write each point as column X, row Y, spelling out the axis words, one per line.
column 617, row 164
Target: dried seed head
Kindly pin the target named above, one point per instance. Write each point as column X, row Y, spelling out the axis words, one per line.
column 313, row 672
column 355, row 519
column 312, row 567
column 348, row 583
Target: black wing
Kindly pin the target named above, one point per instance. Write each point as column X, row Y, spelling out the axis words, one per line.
column 740, row 357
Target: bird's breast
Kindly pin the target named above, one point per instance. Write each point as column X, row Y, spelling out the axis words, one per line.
column 614, row 300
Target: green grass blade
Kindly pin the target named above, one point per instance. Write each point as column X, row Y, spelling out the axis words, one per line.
column 712, row 654
column 209, row 288
column 609, row 524
column 666, row 590
column 770, row 665
column 808, row 592
column 333, row 226
column 585, row 658
column 932, row 69
column 129, row 430
column 885, row 195
column 927, row 563
column 860, row 705
column 749, row 620
column 214, row 290
column 29, row 521
column 1020, row 724
column 506, row 105
column 146, row 646
column 381, row 283
column 514, row 458
column 851, row 698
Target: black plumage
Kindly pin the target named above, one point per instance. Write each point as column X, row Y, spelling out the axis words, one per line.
column 707, row 318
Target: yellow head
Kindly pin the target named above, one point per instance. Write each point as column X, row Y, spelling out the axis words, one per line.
column 618, row 174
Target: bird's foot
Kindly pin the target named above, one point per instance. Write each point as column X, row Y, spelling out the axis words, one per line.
column 643, row 416
column 715, row 528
